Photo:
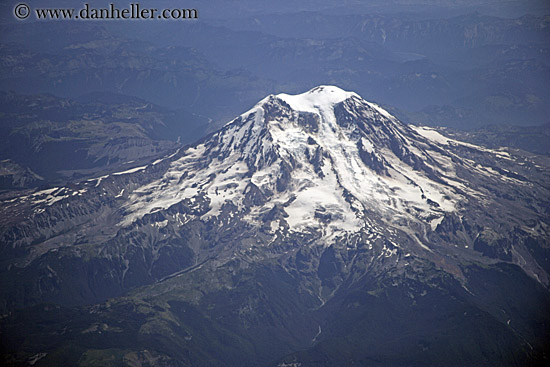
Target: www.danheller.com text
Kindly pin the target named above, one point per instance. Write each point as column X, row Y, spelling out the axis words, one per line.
column 133, row 11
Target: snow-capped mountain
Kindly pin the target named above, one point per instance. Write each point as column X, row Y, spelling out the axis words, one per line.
column 323, row 154
column 324, row 189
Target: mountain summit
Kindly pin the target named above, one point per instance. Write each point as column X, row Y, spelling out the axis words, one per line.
column 323, row 151
column 304, row 208
column 331, row 164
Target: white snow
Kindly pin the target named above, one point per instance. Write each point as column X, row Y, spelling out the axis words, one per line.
column 132, row 170
column 431, row 134
column 382, row 111
column 321, row 97
column 435, row 136
column 367, row 145
column 98, row 180
column 435, row 222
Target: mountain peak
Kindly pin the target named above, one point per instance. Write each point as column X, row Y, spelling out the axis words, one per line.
column 321, row 97
column 324, row 151
column 329, row 165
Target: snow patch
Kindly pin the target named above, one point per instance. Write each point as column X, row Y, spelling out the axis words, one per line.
column 321, row 97
column 136, row 169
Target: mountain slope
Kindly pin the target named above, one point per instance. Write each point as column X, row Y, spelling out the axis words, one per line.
column 62, row 139
column 315, row 223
